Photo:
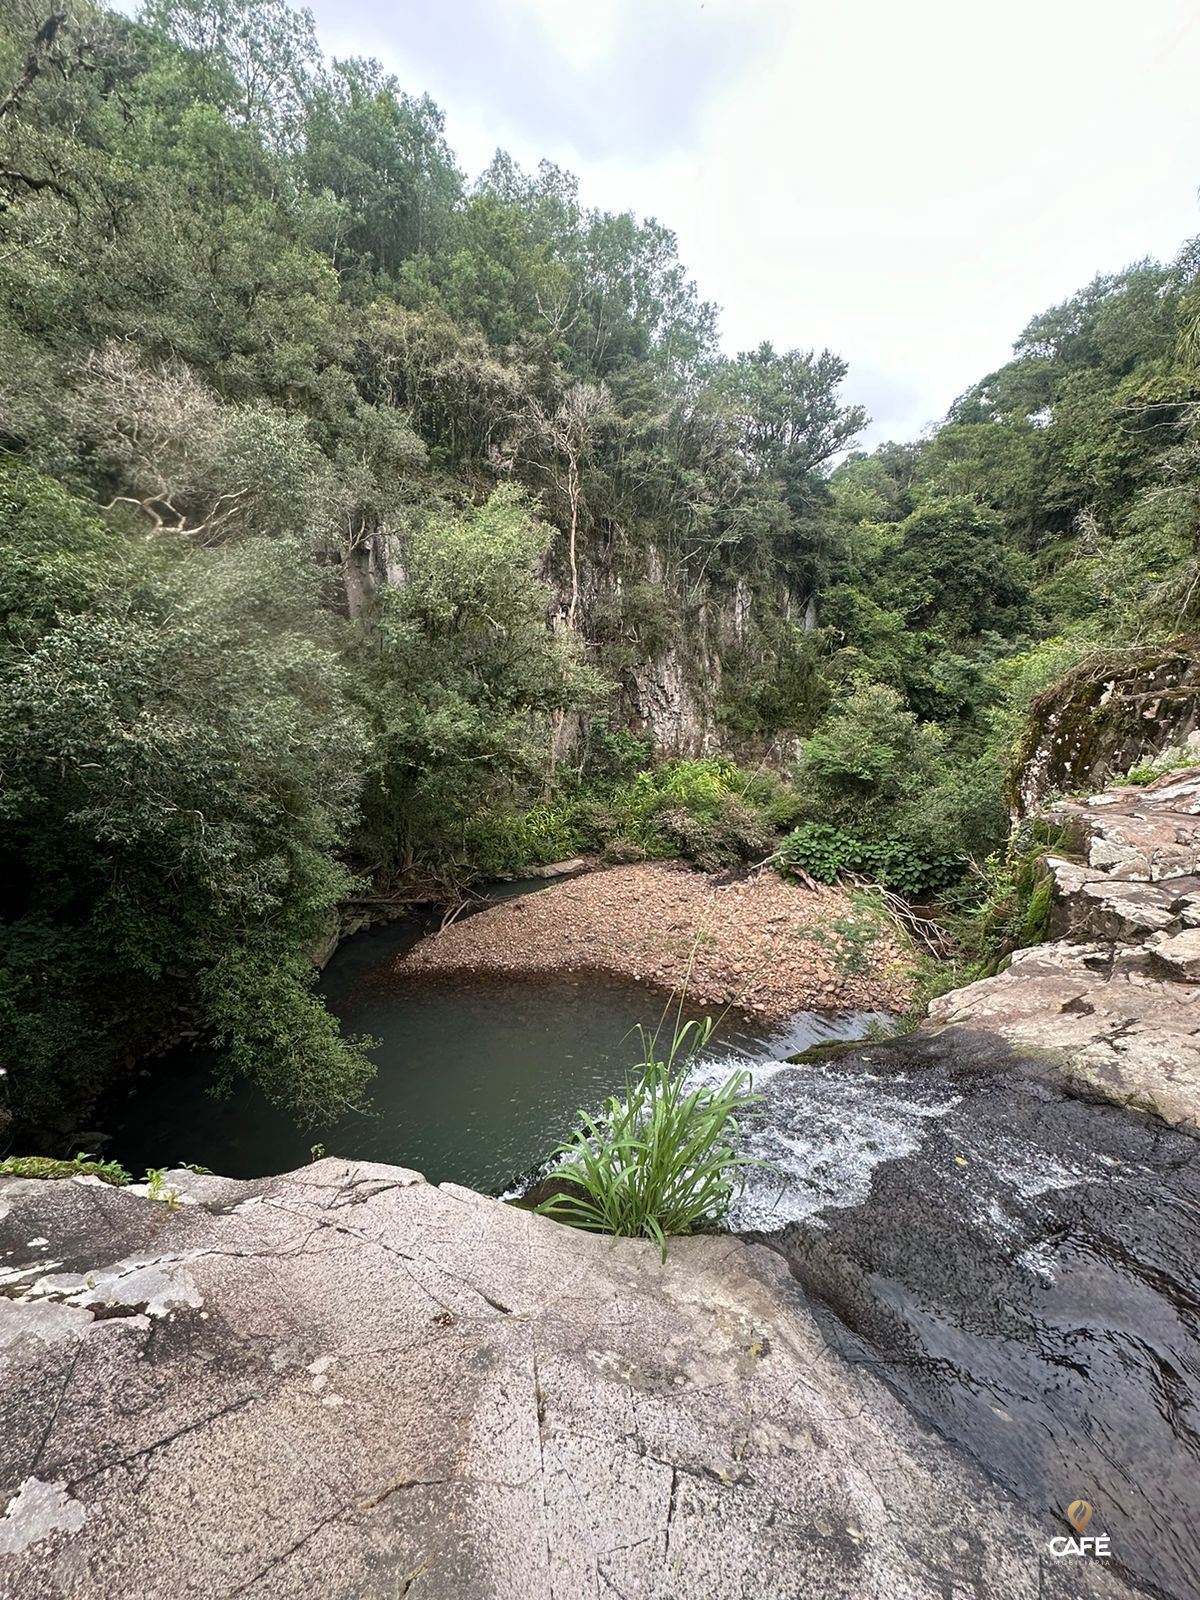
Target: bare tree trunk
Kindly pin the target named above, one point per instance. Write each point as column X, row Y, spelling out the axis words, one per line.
column 43, row 43
column 573, row 495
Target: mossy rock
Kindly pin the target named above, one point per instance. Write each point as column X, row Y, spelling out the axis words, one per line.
column 830, row 1050
column 1106, row 714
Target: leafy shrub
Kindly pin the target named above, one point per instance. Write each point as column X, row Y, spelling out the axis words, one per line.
column 866, row 760
column 1006, row 904
column 661, row 1160
column 614, row 755
column 694, row 786
column 875, row 773
column 736, row 833
column 1140, row 776
column 828, row 853
column 785, row 808
column 708, row 811
column 1175, row 758
column 501, row 842
column 594, row 823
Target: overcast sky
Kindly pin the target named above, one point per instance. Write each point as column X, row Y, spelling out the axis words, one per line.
column 905, row 181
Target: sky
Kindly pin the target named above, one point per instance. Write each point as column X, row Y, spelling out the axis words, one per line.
column 904, row 181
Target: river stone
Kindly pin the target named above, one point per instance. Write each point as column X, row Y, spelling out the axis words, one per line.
column 348, row 1382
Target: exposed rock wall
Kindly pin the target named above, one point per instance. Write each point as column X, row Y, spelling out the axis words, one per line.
column 1104, row 717
column 665, row 701
column 1117, row 990
column 672, row 684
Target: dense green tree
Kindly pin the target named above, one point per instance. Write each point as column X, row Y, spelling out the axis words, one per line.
column 952, row 568
column 381, row 156
column 179, row 756
column 465, row 680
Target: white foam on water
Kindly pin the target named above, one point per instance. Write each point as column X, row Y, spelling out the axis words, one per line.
column 822, row 1136
column 1041, row 1261
column 1031, row 1173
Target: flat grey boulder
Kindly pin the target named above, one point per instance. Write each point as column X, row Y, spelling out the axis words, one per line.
column 1179, row 953
column 1116, row 1022
column 1091, row 905
column 347, row 1382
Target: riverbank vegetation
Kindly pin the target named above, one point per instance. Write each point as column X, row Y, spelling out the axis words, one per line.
column 661, row 1159
column 363, row 521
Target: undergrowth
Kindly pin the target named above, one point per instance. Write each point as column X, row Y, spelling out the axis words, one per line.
column 85, row 1165
column 51, row 1167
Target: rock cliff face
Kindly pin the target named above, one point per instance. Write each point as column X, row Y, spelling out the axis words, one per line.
column 347, row 1382
column 1116, row 993
column 1105, row 716
column 667, row 639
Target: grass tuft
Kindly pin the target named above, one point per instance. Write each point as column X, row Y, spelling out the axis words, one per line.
column 662, row 1159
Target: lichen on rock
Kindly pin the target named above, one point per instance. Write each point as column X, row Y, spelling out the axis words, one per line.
column 1110, row 712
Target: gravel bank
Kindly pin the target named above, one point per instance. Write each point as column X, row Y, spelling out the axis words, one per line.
column 764, row 944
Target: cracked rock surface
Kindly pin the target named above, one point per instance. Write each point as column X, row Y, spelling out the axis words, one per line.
column 1116, row 993
column 347, row 1382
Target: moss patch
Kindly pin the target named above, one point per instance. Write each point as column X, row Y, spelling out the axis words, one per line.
column 49, row 1167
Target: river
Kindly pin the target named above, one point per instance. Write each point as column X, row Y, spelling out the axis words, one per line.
column 478, row 1081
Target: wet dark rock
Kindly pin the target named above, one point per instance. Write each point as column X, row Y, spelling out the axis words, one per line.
column 1024, row 1274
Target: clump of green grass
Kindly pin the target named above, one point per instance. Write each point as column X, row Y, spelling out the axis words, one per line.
column 1175, row 760
column 662, row 1159
column 50, row 1167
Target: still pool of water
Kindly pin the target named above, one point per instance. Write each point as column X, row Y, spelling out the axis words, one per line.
column 479, row 1079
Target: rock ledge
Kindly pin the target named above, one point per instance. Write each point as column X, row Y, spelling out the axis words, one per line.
column 1117, row 992
column 347, row 1382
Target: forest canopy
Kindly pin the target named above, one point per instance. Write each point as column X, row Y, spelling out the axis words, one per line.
column 350, row 507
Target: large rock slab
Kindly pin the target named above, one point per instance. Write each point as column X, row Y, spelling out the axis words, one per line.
column 346, row 1382
column 1138, row 834
column 1115, row 996
column 1120, row 1025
